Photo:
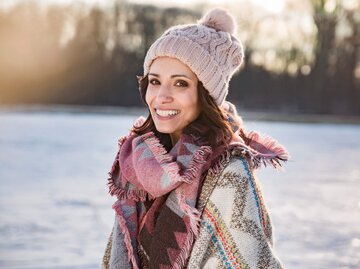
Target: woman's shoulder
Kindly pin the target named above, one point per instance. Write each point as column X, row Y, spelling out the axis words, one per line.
column 243, row 156
column 235, row 167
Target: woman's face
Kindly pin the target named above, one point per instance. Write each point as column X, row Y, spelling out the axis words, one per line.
column 172, row 96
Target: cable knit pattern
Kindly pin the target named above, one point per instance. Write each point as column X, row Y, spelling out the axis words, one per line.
column 212, row 54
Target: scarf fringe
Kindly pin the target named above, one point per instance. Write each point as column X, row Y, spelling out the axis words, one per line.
column 261, row 150
column 122, row 140
column 143, row 257
column 196, row 163
column 194, row 220
column 257, row 159
column 220, row 163
column 125, row 231
column 271, row 144
column 114, row 190
column 121, row 194
column 185, row 252
column 171, row 167
column 138, row 122
column 164, row 159
column 194, row 216
column 157, row 148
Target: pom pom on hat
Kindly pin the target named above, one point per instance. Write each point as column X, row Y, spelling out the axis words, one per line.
column 220, row 20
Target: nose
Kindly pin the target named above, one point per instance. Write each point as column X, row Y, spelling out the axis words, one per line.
column 164, row 95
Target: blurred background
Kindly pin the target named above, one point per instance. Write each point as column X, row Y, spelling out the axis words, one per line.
column 301, row 56
column 68, row 91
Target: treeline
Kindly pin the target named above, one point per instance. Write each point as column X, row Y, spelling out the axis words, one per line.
column 91, row 56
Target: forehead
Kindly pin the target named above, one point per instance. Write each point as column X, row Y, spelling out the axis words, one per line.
column 170, row 66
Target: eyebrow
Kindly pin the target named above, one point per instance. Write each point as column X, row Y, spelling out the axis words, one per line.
column 172, row 76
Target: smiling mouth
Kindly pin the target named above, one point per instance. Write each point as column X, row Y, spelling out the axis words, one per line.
column 167, row 113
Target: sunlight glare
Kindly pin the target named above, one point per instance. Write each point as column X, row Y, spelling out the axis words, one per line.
column 274, row 6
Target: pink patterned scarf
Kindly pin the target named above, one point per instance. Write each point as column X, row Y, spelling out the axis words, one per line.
column 157, row 193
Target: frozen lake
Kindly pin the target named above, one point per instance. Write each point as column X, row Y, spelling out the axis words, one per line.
column 56, row 213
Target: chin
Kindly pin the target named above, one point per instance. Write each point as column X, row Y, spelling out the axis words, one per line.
column 164, row 129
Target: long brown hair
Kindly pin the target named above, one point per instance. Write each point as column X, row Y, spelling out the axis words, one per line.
column 211, row 125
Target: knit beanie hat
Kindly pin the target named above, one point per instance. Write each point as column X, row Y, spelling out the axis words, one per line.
column 209, row 48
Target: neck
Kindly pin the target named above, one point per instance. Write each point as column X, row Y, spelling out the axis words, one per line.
column 174, row 138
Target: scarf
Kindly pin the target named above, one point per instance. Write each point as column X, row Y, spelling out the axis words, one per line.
column 157, row 193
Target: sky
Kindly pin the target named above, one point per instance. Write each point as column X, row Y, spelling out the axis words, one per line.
column 271, row 6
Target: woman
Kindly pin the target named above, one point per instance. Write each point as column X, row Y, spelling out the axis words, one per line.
column 184, row 177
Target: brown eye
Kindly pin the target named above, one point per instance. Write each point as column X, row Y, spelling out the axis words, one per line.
column 154, row 82
column 181, row 83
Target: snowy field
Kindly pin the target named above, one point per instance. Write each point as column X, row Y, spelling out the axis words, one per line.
column 55, row 211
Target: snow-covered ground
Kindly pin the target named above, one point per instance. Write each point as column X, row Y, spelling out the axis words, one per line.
column 55, row 211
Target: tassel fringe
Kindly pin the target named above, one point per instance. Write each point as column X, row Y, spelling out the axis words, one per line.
column 194, row 219
column 194, row 216
column 270, row 144
column 139, row 121
column 261, row 150
column 220, row 163
column 121, row 194
column 185, row 252
column 125, row 231
column 196, row 163
column 171, row 167
column 161, row 155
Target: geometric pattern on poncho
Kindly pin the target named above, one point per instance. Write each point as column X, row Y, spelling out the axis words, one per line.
column 235, row 229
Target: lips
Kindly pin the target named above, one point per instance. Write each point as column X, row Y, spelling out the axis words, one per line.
column 167, row 112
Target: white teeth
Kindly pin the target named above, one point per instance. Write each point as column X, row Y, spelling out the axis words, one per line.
column 166, row 113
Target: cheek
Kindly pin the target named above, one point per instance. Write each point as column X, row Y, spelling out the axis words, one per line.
column 148, row 97
column 193, row 105
column 195, row 100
